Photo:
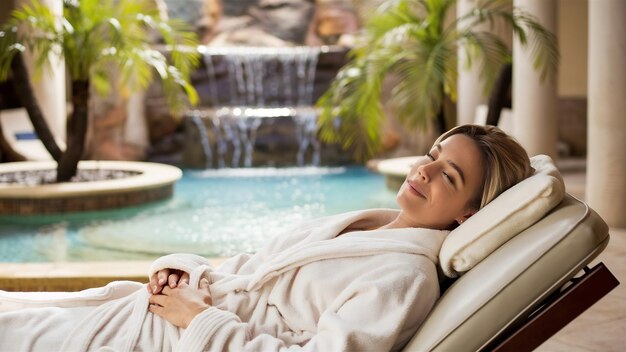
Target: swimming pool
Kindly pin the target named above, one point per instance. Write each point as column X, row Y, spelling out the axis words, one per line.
column 213, row 213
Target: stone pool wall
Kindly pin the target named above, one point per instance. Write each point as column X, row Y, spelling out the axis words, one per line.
column 151, row 182
column 82, row 203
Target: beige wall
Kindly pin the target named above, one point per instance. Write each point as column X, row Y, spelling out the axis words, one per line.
column 573, row 43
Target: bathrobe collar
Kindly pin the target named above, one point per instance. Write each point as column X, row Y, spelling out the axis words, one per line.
column 323, row 243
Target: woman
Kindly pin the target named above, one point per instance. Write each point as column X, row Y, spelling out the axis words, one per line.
column 363, row 280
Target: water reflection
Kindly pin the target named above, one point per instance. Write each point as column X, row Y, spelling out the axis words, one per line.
column 216, row 212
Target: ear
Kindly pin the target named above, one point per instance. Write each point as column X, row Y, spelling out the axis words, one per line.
column 465, row 216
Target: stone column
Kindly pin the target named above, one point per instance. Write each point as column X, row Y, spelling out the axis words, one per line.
column 49, row 87
column 470, row 92
column 606, row 150
column 534, row 101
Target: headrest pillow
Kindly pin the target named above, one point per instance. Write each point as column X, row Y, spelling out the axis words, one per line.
column 509, row 214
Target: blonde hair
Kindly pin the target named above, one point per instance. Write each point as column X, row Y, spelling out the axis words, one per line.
column 505, row 162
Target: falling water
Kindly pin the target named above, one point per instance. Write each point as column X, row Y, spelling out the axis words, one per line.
column 212, row 81
column 306, row 128
column 286, row 62
column 223, row 130
column 196, row 118
column 257, row 77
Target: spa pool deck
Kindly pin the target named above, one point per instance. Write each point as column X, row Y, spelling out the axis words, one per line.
column 601, row 328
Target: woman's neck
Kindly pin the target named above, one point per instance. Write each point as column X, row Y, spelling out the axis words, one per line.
column 400, row 222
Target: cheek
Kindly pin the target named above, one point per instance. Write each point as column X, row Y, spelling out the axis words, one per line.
column 402, row 188
column 445, row 203
column 454, row 206
column 401, row 192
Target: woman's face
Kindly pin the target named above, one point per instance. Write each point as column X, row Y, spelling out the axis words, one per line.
column 440, row 186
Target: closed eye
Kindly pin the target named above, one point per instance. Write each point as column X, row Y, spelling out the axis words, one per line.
column 454, row 166
column 448, row 178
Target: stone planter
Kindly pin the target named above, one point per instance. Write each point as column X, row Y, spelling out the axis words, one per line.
column 153, row 182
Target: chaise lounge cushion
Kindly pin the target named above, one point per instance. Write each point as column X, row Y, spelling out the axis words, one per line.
column 509, row 214
column 506, row 288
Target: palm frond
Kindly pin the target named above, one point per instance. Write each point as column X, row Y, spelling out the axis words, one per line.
column 394, row 15
column 355, row 123
column 101, row 81
column 544, row 46
column 486, row 48
column 525, row 27
column 407, row 39
column 38, row 30
column 422, row 78
column 9, row 47
column 95, row 36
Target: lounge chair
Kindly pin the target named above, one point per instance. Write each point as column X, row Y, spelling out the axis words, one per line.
column 526, row 290
column 20, row 134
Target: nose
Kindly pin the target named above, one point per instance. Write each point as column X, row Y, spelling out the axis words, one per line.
column 422, row 173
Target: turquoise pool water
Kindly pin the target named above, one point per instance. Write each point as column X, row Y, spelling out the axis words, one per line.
column 213, row 213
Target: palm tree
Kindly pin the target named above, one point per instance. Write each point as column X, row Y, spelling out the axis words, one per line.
column 410, row 40
column 96, row 38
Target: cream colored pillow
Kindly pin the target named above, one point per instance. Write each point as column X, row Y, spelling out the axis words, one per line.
column 506, row 216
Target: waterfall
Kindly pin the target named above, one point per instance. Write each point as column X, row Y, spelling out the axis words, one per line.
column 212, row 80
column 196, row 118
column 263, row 82
column 306, row 129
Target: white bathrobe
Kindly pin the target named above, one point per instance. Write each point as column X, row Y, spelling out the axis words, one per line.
column 309, row 290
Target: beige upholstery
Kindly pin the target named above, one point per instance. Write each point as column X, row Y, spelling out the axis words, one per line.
column 509, row 283
column 511, row 212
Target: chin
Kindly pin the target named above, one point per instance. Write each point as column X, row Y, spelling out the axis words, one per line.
column 403, row 203
column 400, row 199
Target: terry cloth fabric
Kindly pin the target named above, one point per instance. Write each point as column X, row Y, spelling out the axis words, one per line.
column 310, row 290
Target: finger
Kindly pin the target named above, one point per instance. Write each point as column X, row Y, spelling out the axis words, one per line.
column 163, row 274
column 153, row 283
column 149, row 287
column 154, row 287
column 156, row 309
column 184, row 278
column 167, row 290
column 173, row 280
column 157, row 299
column 157, row 281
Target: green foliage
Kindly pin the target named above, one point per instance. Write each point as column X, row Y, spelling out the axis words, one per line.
column 99, row 37
column 409, row 41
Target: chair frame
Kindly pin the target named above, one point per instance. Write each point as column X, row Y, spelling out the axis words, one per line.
column 557, row 311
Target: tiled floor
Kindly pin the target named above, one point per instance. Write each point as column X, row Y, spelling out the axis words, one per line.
column 603, row 326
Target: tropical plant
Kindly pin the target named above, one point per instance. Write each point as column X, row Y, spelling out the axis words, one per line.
column 409, row 40
column 99, row 40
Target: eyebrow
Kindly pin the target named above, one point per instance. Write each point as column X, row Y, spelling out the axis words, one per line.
column 454, row 165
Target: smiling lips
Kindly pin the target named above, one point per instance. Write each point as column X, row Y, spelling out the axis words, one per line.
column 415, row 188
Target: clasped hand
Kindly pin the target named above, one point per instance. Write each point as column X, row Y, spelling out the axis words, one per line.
column 174, row 300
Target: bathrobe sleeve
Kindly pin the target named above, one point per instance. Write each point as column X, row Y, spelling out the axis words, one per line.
column 179, row 261
column 374, row 313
